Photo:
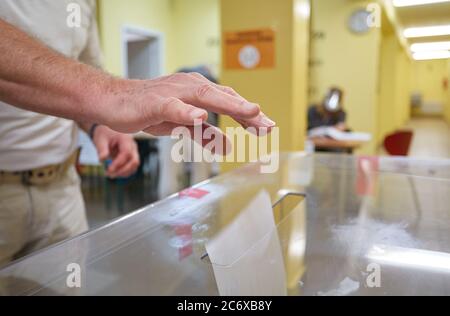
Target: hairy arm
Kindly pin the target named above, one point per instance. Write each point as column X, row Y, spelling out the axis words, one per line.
column 36, row 78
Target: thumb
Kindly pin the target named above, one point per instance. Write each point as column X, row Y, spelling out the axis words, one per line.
column 101, row 143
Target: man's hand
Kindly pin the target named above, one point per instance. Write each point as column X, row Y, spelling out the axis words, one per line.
column 158, row 106
column 121, row 148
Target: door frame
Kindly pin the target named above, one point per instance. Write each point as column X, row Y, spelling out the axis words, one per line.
column 156, row 36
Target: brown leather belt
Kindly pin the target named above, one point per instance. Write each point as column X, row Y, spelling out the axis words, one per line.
column 39, row 176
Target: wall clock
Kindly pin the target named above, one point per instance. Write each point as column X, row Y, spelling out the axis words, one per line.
column 358, row 21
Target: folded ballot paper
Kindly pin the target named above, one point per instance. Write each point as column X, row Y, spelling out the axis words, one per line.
column 246, row 255
column 339, row 135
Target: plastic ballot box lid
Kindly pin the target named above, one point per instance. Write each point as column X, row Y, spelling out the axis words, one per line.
column 320, row 224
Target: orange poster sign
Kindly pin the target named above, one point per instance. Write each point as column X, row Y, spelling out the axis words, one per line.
column 249, row 49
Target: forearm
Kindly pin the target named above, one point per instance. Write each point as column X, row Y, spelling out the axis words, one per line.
column 35, row 78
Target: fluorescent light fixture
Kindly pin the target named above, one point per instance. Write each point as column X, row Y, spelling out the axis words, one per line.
column 303, row 9
column 439, row 54
column 410, row 258
column 433, row 46
column 410, row 3
column 425, row 31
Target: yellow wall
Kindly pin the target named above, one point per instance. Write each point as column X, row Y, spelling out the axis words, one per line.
column 407, row 98
column 190, row 28
column 151, row 14
column 301, row 42
column 427, row 79
column 403, row 84
column 394, row 85
column 281, row 91
column 387, row 89
column 448, row 93
column 349, row 61
column 197, row 31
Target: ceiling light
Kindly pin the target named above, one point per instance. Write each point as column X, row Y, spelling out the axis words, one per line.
column 425, row 31
column 426, row 47
column 409, row 3
column 303, row 9
column 440, row 54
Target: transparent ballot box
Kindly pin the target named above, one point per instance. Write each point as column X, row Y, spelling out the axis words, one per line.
column 319, row 225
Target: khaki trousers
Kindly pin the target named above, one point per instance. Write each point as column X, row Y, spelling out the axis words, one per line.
column 34, row 217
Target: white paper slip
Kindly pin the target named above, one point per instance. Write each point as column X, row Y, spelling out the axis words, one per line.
column 339, row 135
column 246, row 256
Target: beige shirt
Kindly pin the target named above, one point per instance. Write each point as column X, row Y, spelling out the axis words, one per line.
column 30, row 140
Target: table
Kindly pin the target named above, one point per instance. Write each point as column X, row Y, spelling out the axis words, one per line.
column 368, row 226
column 327, row 143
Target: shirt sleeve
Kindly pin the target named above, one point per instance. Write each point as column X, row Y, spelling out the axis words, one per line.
column 92, row 53
column 313, row 118
column 342, row 117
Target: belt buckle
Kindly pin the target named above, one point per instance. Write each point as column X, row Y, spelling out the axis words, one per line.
column 25, row 178
column 38, row 178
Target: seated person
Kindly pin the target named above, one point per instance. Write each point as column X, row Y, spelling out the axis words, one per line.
column 329, row 113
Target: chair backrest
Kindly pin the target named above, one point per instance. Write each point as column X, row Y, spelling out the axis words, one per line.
column 398, row 143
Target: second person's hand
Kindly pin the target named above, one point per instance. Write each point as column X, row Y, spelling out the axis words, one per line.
column 120, row 148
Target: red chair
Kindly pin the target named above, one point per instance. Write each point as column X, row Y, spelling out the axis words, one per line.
column 398, row 143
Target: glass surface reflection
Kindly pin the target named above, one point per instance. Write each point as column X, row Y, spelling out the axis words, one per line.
column 359, row 214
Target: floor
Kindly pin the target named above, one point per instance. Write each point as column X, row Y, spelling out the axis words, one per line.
column 108, row 200
column 431, row 138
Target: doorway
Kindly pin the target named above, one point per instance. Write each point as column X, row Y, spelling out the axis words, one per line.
column 142, row 53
